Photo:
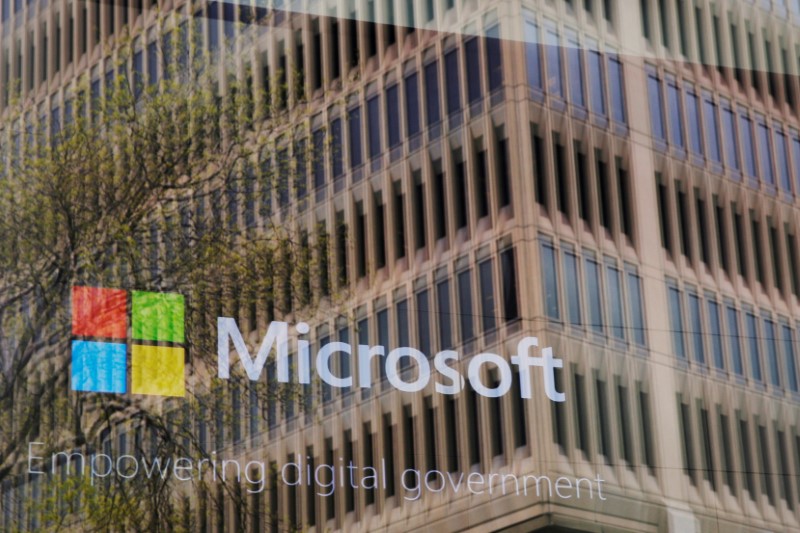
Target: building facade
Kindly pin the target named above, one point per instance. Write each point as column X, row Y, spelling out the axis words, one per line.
column 617, row 179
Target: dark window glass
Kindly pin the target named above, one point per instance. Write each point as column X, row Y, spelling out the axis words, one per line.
column 787, row 336
column 783, row 159
column 636, row 308
column 712, row 138
column 432, row 93
column 354, row 125
column 572, row 287
column 696, row 329
column 716, row 334
column 693, row 122
column 465, row 311
column 748, row 149
column 614, row 281
column 676, row 322
column 412, row 103
column 494, row 58
column 374, row 121
column 751, row 332
column 765, row 153
column 675, row 114
column 616, row 85
column 452, row 77
column 597, row 86
column 729, row 132
column 595, row 303
column 576, row 91
column 771, row 340
column 445, row 318
column 472, row 64
column 337, row 157
column 487, row 295
column 393, row 114
column 656, row 111
column 424, row 322
column 550, row 278
column 734, row 341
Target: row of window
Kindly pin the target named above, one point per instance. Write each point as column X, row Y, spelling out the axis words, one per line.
column 747, row 243
column 732, row 41
column 746, row 143
column 587, row 293
column 566, row 70
column 740, row 452
column 742, row 342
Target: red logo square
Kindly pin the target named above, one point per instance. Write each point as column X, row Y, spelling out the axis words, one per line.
column 99, row 312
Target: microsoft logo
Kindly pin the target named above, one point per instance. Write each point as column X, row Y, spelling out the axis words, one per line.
column 100, row 341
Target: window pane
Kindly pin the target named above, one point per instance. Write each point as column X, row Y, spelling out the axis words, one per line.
column 424, row 322
column 488, row 312
column 716, row 334
column 472, row 64
column 494, row 58
column 553, row 64
column 729, row 131
column 550, row 276
column 354, row 124
column 452, row 77
column 614, row 281
column 734, row 341
column 572, row 287
column 393, row 115
column 412, row 103
column 765, row 153
column 597, row 86
column 693, row 119
column 712, row 138
column 656, row 115
column 532, row 55
column 783, row 159
column 593, row 295
column 788, row 354
column 676, row 322
column 751, row 331
column 432, row 93
column 635, row 308
column 796, row 159
column 675, row 116
column 337, row 157
column 374, row 121
column 465, row 311
column 748, row 149
column 696, row 329
column 771, row 339
column 445, row 325
column 616, row 85
column 575, row 74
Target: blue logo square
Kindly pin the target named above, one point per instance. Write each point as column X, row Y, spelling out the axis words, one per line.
column 99, row 366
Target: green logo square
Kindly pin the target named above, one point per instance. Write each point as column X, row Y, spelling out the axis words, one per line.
column 157, row 316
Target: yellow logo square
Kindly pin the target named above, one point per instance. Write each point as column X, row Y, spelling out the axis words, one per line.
column 157, row 370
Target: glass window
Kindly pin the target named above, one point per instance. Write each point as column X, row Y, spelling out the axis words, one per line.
column 465, row 312
column 617, row 321
column 393, row 114
column 748, row 148
column 716, row 333
column 595, row 303
column 452, row 77
column 472, row 62
column 550, row 277
column 783, row 158
column 787, row 336
column 771, row 340
column 576, row 73
column 487, row 295
column 445, row 324
column 729, row 133
column 796, row 158
column 734, row 340
column 656, row 111
column 532, row 57
column 765, row 152
column 424, row 322
column 432, row 93
column 508, row 277
column 374, row 121
column 382, row 323
column 554, row 82
column 616, row 84
column 597, row 86
column 675, row 114
column 636, row 307
column 693, row 122
column 676, row 321
column 494, row 58
column 696, row 328
column 572, row 287
column 751, row 332
column 354, row 125
column 152, row 63
column 712, row 135
column 412, row 103
column 337, row 157
column 318, row 158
